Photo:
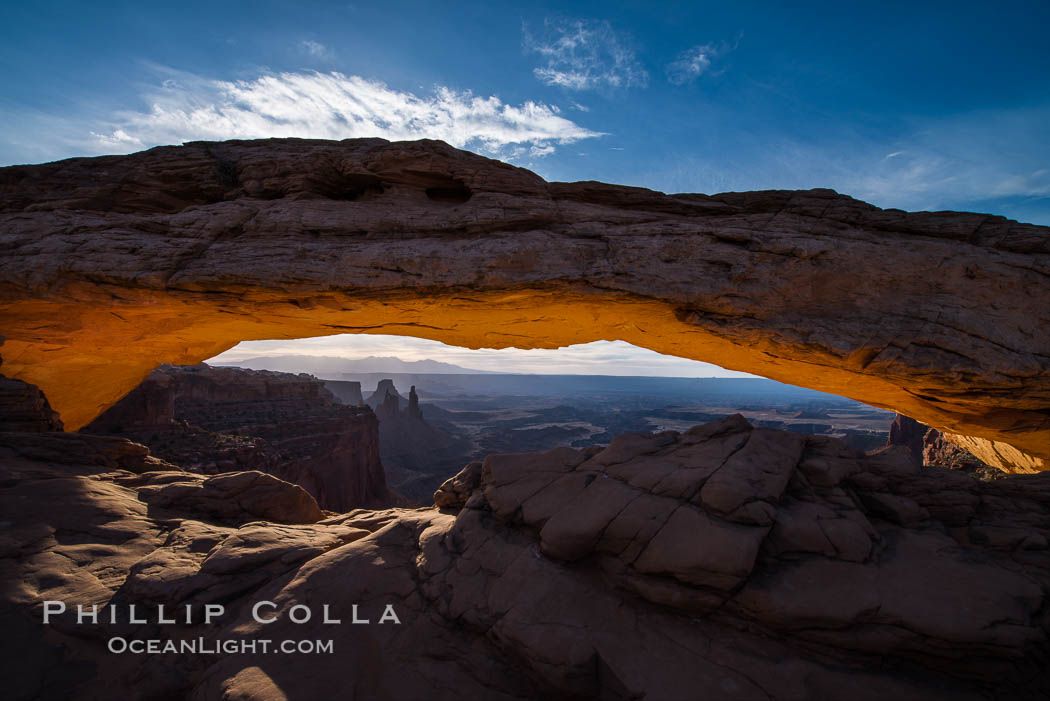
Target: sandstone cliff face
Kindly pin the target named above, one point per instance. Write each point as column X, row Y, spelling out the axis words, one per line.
column 746, row 563
column 931, row 448
column 147, row 408
column 24, row 407
column 909, row 433
column 940, row 452
column 385, row 397
column 221, row 419
column 348, row 392
column 113, row 265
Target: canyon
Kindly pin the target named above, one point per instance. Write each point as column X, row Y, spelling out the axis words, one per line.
column 212, row 420
column 114, row 265
column 724, row 558
column 728, row 560
column 464, row 418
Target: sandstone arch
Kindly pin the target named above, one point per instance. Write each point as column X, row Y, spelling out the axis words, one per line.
column 113, row 265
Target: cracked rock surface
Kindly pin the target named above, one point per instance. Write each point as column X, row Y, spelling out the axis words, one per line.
column 114, row 265
column 727, row 561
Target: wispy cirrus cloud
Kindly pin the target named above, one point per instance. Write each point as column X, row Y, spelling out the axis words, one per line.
column 988, row 160
column 187, row 107
column 316, row 49
column 697, row 61
column 691, row 64
column 584, row 55
column 963, row 161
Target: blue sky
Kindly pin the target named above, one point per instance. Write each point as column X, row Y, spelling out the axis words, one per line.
column 932, row 105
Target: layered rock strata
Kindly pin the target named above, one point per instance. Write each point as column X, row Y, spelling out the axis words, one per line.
column 113, row 265
column 213, row 420
column 23, row 407
column 940, row 452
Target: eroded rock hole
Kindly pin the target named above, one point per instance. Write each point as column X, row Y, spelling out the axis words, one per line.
column 451, row 193
column 351, row 187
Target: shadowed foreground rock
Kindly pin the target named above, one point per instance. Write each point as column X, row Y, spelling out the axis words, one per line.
column 117, row 264
column 723, row 563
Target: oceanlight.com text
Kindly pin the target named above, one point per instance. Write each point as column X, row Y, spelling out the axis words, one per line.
column 201, row 646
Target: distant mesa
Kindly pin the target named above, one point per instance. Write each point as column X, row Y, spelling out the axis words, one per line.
column 347, row 391
column 336, row 368
column 386, row 402
column 385, row 395
column 417, row 455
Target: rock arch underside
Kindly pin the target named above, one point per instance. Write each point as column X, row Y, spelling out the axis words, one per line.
column 116, row 264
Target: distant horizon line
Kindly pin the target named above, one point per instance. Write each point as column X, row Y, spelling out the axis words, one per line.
column 228, row 363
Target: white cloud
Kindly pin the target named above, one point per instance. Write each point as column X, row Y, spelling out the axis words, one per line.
column 316, row 50
column 334, row 106
column 584, row 55
column 117, row 139
column 599, row 357
column 693, row 63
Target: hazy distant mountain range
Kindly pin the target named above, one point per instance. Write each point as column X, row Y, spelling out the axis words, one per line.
column 328, row 367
